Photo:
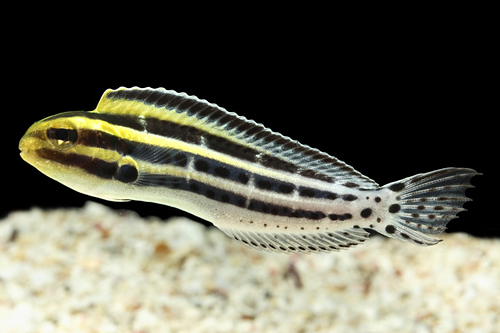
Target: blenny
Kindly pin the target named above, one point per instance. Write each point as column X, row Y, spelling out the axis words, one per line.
column 261, row 188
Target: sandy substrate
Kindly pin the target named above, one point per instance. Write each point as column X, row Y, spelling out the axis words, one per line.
column 98, row 270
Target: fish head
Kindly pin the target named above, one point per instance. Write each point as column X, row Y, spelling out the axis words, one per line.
column 76, row 151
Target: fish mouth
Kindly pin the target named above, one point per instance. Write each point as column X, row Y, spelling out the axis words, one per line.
column 25, row 152
column 22, row 148
column 25, row 155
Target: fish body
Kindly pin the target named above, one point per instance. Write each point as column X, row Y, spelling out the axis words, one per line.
column 262, row 189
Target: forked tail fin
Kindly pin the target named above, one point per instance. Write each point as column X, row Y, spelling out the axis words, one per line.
column 423, row 204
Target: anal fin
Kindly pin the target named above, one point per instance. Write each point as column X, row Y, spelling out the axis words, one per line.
column 299, row 242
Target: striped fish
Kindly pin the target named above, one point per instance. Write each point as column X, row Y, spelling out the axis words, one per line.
column 262, row 189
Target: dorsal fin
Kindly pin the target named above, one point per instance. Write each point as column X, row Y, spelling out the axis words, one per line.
column 190, row 111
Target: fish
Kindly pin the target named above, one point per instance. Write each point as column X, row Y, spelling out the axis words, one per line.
column 262, row 189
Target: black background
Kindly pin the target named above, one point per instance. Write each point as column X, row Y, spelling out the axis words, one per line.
column 390, row 103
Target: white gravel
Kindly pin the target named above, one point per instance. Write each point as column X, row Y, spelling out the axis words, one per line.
column 98, row 270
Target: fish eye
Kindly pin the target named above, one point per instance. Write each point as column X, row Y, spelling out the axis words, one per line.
column 62, row 137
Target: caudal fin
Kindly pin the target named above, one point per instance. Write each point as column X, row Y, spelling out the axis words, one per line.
column 425, row 203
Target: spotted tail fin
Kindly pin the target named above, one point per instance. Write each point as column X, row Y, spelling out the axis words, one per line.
column 423, row 204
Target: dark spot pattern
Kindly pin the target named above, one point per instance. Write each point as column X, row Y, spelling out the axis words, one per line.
column 390, row 229
column 220, row 170
column 225, row 198
column 270, row 184
column 308, row 192
column 365, row 213
column 394, row 208
column 285, row 188
column 340, row 217
column 397, row 187
column 127, row 173
column 349, row 197
column 331, row 196
column 194, row 187
column 243, row 178
column 264, row 184
column 201, row 165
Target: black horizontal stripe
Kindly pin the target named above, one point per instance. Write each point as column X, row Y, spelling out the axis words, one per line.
column 309, row 192
column 194, row 186
column 340, row 217
column 278, row 164
column 230, row 148
column 100, row 139
column 221, row 170
column 170, row 129
column 268, row 208
column 270, row 184
column 92, row 165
